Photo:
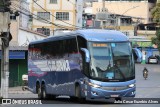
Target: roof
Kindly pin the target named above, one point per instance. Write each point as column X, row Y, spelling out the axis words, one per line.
column 98, row 35
column 102, row 35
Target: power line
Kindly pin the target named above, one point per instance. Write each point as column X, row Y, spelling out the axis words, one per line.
column 61, row 26
column 58, row 25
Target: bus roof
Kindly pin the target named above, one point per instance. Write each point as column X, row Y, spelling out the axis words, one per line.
column 90, row 35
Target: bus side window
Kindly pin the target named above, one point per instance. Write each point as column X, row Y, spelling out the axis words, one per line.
column 82, row 43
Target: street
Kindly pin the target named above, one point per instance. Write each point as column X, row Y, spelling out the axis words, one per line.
column 149, row 88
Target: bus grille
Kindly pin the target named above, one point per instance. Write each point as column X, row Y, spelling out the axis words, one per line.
column 114, row 88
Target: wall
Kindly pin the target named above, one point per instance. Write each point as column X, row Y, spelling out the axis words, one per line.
column 26, row 36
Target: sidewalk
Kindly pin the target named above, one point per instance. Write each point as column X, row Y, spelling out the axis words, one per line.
column 17, row 90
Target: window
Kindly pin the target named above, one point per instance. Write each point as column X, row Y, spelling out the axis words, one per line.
column 60, row 48
column 45, row 31
column 62, row 15
column 43, row 15
column 12, row 17
column 53, row 1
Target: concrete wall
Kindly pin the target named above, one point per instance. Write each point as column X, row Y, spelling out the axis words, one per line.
column 14, row 27
column 26, row 36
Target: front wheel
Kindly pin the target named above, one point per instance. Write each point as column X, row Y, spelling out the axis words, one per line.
column 78, row 94
column 118, row 99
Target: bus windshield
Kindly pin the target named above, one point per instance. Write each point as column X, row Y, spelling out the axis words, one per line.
column 111, row 61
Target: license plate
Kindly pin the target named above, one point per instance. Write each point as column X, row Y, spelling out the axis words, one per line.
column 153, row 60
column 114, row 95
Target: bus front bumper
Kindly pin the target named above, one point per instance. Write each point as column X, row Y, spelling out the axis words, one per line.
column 98, row 93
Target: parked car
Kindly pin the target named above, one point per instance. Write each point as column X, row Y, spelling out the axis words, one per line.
column 152, row 60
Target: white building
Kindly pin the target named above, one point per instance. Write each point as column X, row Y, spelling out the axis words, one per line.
column 20, row 25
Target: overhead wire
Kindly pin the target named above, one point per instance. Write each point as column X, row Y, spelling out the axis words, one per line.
column 58, row 25
column 55, row 16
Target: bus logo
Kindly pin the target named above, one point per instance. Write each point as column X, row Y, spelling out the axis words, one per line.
column 114, row 89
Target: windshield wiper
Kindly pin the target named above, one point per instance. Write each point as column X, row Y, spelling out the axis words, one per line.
column 121, row 73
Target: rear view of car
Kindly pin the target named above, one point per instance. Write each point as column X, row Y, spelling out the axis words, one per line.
column 152, row 60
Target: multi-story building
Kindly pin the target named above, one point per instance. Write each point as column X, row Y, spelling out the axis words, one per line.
column 134, row 8
column 128, row 14
column 53, row 15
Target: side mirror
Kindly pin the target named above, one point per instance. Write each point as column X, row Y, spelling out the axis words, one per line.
column 87, row 56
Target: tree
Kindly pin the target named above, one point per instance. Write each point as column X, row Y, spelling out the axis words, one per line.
column 156, row 40
column 156, row 19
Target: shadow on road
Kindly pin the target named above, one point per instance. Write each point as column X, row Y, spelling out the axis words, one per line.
column 69, row 101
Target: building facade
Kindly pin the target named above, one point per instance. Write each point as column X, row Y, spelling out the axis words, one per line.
column 21, row 36
column 125, row 15
column 52, row 15
column 135, row 8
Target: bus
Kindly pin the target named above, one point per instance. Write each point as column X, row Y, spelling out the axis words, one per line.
column 84, row 64
column 137, row 55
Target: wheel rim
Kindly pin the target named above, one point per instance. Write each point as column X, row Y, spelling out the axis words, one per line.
column 39, row 93
column 77, row 92
column 44, row 94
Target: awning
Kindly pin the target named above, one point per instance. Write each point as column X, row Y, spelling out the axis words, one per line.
column 15, row 54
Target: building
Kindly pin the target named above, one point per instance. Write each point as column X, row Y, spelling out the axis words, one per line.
column 25, row 16
column 125, row 15
column 52, row 15
column 21, row 36
column 134, row 8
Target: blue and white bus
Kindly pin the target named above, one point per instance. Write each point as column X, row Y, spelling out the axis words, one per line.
column 84, row 64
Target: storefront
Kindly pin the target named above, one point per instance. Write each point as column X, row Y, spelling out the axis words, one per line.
column 17, row 66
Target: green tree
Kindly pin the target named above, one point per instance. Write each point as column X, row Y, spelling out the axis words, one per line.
column 156, row 19
column 156, row 13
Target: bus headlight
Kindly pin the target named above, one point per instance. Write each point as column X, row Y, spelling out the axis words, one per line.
column 94, row 85
column 131, row 85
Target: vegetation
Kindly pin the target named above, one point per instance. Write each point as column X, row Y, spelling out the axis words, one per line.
column 156, row 19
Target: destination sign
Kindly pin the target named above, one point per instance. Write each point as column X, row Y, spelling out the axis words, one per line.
column 99, row 45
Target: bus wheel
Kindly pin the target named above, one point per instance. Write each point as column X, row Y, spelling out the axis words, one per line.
column 44, row 95
column 39, row 93
column 72, row 98
column 118, row 99
column 78, row 94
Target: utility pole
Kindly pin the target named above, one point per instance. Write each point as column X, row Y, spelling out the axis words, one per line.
column 103, row 10
column 78, row 11
column 5, row 37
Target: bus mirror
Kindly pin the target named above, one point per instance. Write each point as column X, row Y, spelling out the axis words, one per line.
column 87, row 57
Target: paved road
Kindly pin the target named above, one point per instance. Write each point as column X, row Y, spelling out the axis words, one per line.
column 149, row 88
